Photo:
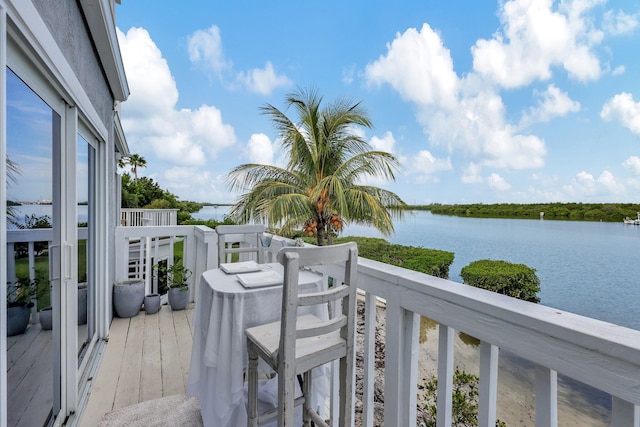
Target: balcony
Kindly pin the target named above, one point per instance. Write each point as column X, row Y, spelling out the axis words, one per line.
column 552, row 342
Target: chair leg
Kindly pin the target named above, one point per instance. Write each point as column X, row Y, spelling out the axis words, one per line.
column 346, row 392
column 286, row 399
column 252, row 384
column 306, row 393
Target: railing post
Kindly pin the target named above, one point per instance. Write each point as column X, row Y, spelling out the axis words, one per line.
column 624, row 414
column 369, row 354
column 488, row 385
column 33, row 286
column 400, row 374
column 445, row 375
column 189, row 260
column 122, row 254
column 546, row 397
column 11, row 262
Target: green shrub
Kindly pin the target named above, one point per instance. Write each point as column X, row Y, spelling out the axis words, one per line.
column 514, row 280
column 429, row 261
column 464, row 411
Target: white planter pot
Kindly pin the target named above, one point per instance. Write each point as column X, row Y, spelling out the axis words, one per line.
column 151, row 303
column 178, row 299
column 128, row 297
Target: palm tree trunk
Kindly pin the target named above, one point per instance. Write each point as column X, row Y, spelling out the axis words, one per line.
column 321, row 231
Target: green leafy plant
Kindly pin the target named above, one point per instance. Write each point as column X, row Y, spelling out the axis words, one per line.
column 24, row 290
column 430, row 261
column 464, row 410
column 515, row 280
column 175, row 275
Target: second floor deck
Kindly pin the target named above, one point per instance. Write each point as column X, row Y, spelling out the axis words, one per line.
column 566, row 360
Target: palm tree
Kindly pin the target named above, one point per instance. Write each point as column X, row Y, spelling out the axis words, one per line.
column 135, row 161
column 322, row 187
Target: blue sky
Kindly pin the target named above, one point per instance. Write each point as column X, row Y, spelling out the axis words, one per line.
column 517, row 101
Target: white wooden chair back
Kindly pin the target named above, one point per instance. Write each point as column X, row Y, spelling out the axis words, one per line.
column 299, row 343
column 295, row 258
column 240, row 239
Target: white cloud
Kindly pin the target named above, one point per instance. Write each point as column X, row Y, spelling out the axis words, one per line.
column 263, row 80
column 610, row 184
column 424, row 165
column 260, row 149
column 386, row 143
column 199, row 185
column 620, row 22
column 461, row 114
column 418, row 67
column 348, row 73
column 585, row 185
column 184, row 137
column 624, row 109
column 205, row 47
column 535, row 38
column 618, row 71
column 153, row 89
column 633, row 163
column 496, row 182
column 472, row 175
column 551, row 103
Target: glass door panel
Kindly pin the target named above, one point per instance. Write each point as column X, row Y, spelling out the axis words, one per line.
column 33, row 356
column 85, row 185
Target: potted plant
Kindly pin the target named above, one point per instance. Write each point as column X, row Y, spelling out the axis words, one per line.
column 128, row 296
column 19, row 303
column 177, row 276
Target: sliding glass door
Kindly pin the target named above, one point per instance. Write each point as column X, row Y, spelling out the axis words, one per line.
column 34, row 258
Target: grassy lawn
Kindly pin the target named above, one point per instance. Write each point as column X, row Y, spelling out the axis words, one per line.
column 41, row 264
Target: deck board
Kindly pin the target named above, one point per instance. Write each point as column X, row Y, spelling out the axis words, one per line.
column 128, row 389
column 29, row 377
column 151, row 360
column 146, row 356
column 172, row 378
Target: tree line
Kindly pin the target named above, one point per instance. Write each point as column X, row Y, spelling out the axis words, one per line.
column 606, row 212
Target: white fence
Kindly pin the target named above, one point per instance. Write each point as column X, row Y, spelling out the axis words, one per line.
column 148, row 217
column 602, row 355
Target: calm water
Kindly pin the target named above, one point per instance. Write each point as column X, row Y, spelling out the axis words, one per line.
column 41, row 210
column 589, row 268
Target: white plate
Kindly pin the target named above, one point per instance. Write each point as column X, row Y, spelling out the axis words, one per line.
column 263, row 278
column 240, row 267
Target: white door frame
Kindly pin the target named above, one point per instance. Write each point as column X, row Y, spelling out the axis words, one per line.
column 25, row 42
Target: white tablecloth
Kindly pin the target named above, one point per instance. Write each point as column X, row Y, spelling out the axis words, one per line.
column 224, row 309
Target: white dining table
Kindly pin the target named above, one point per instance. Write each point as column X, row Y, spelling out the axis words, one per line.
column 224, row 309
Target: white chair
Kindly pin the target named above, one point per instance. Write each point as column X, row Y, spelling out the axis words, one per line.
column 240, row 239
column 297, row 344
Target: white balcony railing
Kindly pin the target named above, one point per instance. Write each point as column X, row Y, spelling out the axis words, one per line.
column 31, row 237
column 139, row 248
column 599, row 354
column 148, row 217
column 602, row 355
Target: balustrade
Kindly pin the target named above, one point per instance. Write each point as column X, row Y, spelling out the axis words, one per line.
column 599, row 354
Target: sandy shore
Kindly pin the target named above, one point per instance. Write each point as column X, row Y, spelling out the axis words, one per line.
column 578, row 405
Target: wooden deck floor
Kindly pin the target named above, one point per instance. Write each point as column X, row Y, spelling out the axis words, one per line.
column 29, row 377
column 147, row 357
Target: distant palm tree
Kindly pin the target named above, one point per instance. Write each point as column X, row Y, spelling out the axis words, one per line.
column 135, row 161
column 322, row 187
